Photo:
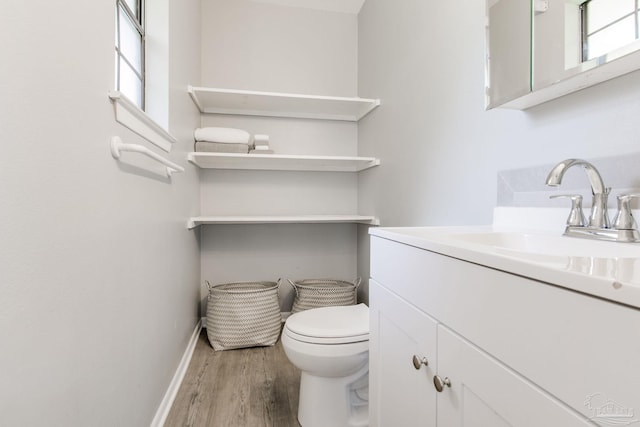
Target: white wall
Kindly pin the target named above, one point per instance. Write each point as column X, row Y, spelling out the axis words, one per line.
column 99, row 278
column 283, row 251
column 440, row 150
column 266, row 47
column 259, row 46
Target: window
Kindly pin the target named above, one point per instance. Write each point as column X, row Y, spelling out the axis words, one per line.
column 608, row 25
column 130, row 50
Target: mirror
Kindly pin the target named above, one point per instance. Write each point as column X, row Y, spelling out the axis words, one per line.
column 538, row 50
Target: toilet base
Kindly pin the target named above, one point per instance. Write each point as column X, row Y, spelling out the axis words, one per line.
column 334, row 402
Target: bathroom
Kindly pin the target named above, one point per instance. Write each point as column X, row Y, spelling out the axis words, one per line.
column 102, row 282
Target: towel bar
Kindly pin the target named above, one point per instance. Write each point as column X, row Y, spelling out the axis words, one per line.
column 117, row 146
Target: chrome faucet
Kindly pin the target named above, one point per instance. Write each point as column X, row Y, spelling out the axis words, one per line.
column 598, row 226
column 599, row 217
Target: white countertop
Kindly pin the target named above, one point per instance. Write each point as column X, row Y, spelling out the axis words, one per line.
column 602, row 269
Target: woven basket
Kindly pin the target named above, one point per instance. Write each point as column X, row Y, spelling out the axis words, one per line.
column 243, row 314
column 314, row 293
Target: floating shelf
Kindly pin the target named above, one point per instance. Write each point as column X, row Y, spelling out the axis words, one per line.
column 282, row 162
column 287, row 219
column 272, row 104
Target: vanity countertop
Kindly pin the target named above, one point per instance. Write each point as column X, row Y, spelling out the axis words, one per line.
column 606, row 270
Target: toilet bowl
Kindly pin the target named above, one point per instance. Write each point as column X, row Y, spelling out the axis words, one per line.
column 330, row 346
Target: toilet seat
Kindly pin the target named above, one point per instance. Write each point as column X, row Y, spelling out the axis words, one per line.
column 330, row 325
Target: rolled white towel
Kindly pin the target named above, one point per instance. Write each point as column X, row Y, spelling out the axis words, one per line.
column 222, row 135
column 261, row 148
column 261, row 140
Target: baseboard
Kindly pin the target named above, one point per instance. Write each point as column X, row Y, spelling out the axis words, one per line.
column 172, row 391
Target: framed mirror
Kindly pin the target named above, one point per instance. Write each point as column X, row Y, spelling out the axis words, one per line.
column 538, row 50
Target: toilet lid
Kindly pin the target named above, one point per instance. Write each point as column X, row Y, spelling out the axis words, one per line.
column 330, row 325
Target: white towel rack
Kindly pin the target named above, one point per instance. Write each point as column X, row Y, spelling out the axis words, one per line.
column 117, row 146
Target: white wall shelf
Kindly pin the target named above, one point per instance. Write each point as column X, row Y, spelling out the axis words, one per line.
column 273, row 104
column 281, row 162
column 283, row 219
column 252, row 103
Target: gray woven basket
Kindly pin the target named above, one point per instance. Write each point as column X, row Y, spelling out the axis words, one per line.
column 315, row 293
column 243, row 314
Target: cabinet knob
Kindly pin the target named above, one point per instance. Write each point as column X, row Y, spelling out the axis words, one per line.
column 418, row 362
column 440, row 383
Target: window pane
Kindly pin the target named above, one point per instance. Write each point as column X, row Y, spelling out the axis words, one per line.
column 133, row 5
column 611, row 38
column 603, row 12
column 130, row 84
column 130, row 42
column 129, row 50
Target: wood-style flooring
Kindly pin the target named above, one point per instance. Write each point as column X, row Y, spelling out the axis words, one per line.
column 253, row 387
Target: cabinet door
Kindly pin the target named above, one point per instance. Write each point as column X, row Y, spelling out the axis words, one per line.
column 484, row 392
column 400, row 394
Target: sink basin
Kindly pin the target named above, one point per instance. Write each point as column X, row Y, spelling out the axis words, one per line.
column 548, row 244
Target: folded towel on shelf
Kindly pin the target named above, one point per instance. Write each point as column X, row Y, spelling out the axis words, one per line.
column 221, row 147
column 260, row 151
column 223, row 135
column 261, row 140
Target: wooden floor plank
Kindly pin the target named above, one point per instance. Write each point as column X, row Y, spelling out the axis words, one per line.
column 254, row 387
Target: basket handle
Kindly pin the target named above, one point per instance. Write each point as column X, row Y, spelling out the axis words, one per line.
column 211, row 294
column 295, row 288
column 357, row 282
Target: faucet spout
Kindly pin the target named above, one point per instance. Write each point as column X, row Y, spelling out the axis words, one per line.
column 554, row 178
column 599, row 217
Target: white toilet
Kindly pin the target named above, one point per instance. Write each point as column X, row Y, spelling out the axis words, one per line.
column 330, row 345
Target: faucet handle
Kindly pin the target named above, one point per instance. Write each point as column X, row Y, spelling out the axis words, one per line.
column 624, row 218
column 576, row 216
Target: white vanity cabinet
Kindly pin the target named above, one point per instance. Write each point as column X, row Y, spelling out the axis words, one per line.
column 399, row 392
column 485, row 392
column 517, row 352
